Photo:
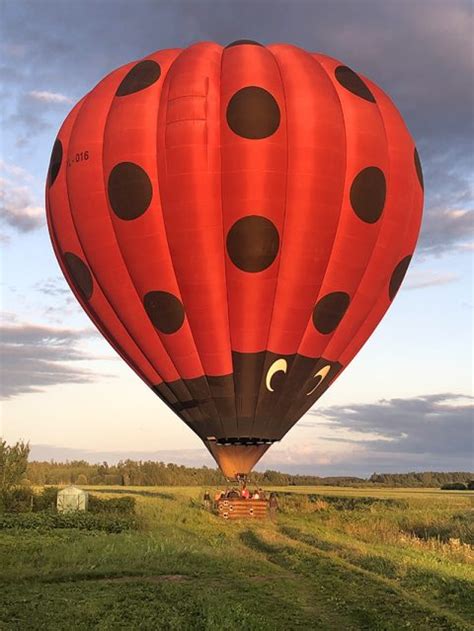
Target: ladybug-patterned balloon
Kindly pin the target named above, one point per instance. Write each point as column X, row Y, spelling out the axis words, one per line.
column 235, row 221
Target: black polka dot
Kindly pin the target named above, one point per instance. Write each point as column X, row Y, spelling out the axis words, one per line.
column 130, row 190
column 367, row 194
column 253, row 113
column 352, row 82
column 239, row 42
column 252, row 243
column 79, row 274
column 55, row 161
column 418, row 168
column 330, row 310
column 165, row 311
column 144, row 74
column 397, row 276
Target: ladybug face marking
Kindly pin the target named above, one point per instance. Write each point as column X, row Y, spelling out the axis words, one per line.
column 319, row 377
column 258, row 402
column 280, row 365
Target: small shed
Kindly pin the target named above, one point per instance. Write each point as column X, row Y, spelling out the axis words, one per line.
column 71, row 499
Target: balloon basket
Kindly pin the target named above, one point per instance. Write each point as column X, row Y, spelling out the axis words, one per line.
column 240, row 508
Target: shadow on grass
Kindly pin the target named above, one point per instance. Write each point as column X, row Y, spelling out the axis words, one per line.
column 460, row 526
column 372, row 601
column 437, row 588
column 343, row 502
column 251, row 540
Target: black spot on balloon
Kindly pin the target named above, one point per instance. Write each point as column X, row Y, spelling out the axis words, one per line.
column 239, row 42
column 397, row 276
column 329, row 311
column 252, row 243
column 165, row 311
column 418, row 168
column 130, row 190
column 352, row 82
column 80, row 274
column 368, row 193
column 55, row 161
column 253, row 113
column 141, row 76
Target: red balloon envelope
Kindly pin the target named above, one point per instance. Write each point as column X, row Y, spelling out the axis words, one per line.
column 235, row 221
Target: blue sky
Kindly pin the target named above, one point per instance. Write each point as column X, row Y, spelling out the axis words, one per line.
column 404, row 403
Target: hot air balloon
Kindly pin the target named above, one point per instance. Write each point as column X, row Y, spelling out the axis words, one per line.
column 235, row 221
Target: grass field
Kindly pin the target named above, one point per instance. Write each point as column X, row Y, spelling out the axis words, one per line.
column 350, row 559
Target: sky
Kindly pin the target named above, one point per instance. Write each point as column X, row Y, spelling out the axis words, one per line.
column 405, row 402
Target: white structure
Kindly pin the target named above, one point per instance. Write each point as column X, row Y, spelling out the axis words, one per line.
column 71, row 499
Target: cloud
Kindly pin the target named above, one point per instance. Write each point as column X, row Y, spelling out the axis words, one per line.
column 420, row 280
column 49, row 97
column 53, row 286
column 36, row 356
column 446, row 230
column 448, row 221
column 28, row 120
column 425, row 433
column 421, row 56
column 56, row 302
column 18, row 207
column 439, row 425
column 34, row 112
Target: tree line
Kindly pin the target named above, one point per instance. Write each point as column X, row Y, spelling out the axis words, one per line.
column 150, row 473
column 16, row 469
column 433, row 479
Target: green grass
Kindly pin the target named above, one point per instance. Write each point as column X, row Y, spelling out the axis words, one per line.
column 339, row 561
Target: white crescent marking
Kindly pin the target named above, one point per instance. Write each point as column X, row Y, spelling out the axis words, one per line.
column 321, row 373
column 279, row 364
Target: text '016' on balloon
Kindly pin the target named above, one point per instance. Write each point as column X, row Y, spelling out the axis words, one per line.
column 235, row 221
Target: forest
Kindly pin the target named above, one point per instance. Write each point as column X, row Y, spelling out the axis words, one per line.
column 150, row 473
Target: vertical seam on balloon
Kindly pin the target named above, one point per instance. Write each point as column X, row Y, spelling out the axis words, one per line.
column 262, row 377
column 338, row 227
column 113, row 231
column 383, row 219
column 224, row 258
column 321, row 354
column 166, row 353
column 374, row 245
column 89, row 311
column 316, row 61
column 413, row 209
column 115, row 345
column 163, row 102
column 331, row 336
column 166, row 234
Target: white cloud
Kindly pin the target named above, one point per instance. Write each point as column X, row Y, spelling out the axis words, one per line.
column 49, row 97
column 436, row 424
column 420, row 280
column 18, row 207
column 37, row 356
column 446, row 230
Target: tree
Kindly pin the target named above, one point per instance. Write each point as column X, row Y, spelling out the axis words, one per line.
column 81, row 479
column 454, row 486
column 13, row 464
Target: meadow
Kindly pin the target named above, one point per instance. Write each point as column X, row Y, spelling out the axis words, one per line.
column 332, row 558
